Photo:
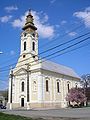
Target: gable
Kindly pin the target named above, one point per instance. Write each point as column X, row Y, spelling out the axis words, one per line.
column 20, row 71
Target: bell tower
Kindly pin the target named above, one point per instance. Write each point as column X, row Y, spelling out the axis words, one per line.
column 29, row 38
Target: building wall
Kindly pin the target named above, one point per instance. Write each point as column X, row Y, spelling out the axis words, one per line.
column 52, row 96
column 38, row 95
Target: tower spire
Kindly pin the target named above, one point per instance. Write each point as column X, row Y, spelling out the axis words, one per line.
column 29, row 24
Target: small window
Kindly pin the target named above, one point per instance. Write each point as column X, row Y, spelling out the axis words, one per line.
column 25, row 34
column 25, row 45
column 22, row 86
column 33, row 56
column 24, row 56
column 33, row 46
column 58, row 87
column 46, row 85
column 33, row 34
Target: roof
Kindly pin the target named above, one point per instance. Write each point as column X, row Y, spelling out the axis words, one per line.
column 54, row 67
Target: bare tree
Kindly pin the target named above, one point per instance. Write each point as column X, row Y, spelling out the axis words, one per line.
column 85, row 80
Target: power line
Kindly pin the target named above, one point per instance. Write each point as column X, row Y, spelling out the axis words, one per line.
column 54, row 39
column 64, row 43
column 5, row 70
column 64, row 53
column 70, row 50
column 64, row 49
column 51, row 41
column 8, row 60
column 69, row 31
column 70, row 46
column 49, row 49
column 67, row 47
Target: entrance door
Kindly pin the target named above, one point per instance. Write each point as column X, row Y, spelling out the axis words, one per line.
column 22, row 102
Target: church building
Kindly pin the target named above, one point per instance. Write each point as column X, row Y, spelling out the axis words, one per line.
column 36, row 83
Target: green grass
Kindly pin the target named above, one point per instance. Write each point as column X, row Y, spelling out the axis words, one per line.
column 14, row 117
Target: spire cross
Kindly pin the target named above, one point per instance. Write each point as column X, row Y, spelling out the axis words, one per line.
column 29, row 11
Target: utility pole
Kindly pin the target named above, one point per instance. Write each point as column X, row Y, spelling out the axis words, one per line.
column 85, row 89
column 11, row 76
column 27, row 82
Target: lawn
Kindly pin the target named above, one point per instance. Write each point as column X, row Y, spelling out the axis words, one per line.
column 14, row 117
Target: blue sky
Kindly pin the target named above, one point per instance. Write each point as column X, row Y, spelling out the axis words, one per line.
column 54, row 19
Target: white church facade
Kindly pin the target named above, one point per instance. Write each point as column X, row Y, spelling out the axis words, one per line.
column 36, row 83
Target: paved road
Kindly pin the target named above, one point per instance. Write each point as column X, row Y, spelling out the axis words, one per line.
column 55, row 114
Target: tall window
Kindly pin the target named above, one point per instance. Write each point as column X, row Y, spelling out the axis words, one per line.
column 58, row 87
column 22, row 86
column 46, row 85
column 34, row 86
column 68, row 87
column 33, row 46
column 76, row 85
column 25, row 45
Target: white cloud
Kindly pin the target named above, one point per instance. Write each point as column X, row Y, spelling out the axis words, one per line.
column 41, row 22
column 72, row 34
column 5, row 19
column 1, row 52
column 84, row 16
column 11, row 8
column 63, row 22
column 19, row 22
column 44, row 19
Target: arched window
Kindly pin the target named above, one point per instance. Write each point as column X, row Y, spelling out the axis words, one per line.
column 22, row 86
column 68, row 87
column 34, row 86
column 33, row 46
column 25, row 45
column 76, row 85
column 58, row 87
column 46, row 85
